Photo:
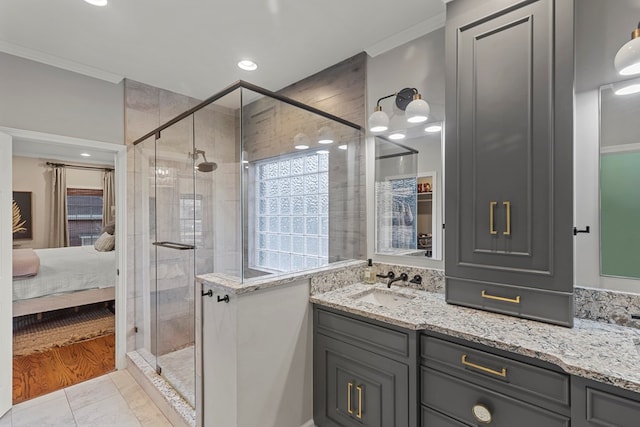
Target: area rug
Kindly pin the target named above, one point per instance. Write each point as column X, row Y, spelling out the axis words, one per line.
column 31, row 335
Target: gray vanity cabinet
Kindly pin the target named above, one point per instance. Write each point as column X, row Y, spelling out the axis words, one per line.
column 596, row 405
column 509, row 206
column 364, row 372
column 461, row 385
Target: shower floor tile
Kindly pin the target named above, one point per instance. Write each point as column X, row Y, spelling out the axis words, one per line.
column 178, row 368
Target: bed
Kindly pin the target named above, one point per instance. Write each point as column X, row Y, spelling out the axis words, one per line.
column 66, row 277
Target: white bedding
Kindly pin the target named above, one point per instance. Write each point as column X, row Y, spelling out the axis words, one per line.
column 64, row 270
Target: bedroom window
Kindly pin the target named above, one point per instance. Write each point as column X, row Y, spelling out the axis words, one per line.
column 291, row 212
column 84, row 215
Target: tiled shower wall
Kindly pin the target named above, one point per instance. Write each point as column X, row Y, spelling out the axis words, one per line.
column 269, row 127
column 339, row 90
column 214, row 130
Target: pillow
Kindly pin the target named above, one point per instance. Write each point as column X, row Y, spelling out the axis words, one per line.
column 110, row 228
column 105, row 243
column 25, row 263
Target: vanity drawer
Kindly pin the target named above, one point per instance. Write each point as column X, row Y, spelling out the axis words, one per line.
column 431, row 418
column 457, row 398
column 528, row 382
column 379, row 339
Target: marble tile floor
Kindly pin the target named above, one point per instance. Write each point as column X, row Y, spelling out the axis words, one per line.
column 114, row 399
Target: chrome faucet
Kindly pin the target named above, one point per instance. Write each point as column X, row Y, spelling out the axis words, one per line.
column 402, row 276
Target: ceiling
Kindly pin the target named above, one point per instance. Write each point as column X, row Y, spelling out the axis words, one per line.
column 50, row 148
column 192, row 46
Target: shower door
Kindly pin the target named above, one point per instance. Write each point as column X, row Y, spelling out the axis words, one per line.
column 175, row 205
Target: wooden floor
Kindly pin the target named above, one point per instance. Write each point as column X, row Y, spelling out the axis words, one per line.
column 54, row 369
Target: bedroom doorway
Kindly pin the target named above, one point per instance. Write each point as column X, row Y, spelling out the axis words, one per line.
column 6, row 333
column 62, row 149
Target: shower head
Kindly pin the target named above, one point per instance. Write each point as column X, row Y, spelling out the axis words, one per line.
column 205, row 166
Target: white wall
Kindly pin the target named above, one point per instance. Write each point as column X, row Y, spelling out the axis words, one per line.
column 43, row 98
column 586, row 185
column 257, row 358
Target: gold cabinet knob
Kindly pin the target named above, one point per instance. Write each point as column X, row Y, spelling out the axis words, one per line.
column 481, row 413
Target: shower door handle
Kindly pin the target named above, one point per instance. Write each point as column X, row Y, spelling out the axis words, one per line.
column 174, row 245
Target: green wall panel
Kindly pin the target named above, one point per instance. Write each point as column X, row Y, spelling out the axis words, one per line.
column 620, row 214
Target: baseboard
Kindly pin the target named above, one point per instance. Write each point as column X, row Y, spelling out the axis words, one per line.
column 309, row 423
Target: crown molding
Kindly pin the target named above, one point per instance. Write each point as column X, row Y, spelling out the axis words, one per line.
column 407, row 35
column 58, row 62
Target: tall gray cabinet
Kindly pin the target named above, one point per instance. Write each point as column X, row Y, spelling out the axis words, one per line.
column 509, row 199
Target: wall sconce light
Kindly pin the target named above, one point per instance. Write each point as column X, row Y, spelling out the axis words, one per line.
column 301, row 141
column 325, row 135
column 627, row 60
column 408, row 100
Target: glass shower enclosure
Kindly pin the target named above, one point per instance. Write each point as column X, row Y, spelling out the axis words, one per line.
column 246, row 184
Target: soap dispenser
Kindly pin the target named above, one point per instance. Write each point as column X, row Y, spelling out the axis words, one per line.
column 369, row 275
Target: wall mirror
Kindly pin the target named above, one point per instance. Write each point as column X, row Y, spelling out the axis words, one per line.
column 619, row 181
column 606, row 148
column 408, row 193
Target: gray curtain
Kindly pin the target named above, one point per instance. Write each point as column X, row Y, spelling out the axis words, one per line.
column 108, row 198
column 58, row 231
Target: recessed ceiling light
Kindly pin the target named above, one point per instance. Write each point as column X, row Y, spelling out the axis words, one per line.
column 433, row 128
column 628, row 90
column 396, row 136
column 301, row 147
column 97, row 2
column 342, row 147
column 85, row 154
column 248, row 65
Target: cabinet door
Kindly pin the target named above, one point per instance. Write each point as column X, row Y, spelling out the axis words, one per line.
column 509, row 144
column 598, row 405
column 355, row 387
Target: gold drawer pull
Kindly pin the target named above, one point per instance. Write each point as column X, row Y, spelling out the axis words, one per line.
column 515, row 300
column 349, row 387
column 502, row 373
column 492, row 206
column 508, row 206
column 359, row 414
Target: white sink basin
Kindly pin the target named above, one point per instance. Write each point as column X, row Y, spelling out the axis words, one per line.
column 382, row 298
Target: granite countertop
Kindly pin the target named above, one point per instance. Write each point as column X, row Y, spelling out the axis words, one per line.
column 235, row 285
column 603, row 352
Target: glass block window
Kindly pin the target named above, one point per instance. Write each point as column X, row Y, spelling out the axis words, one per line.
column 191, row 219
column 84, row 215
column 292, row 212
column 397, row 214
